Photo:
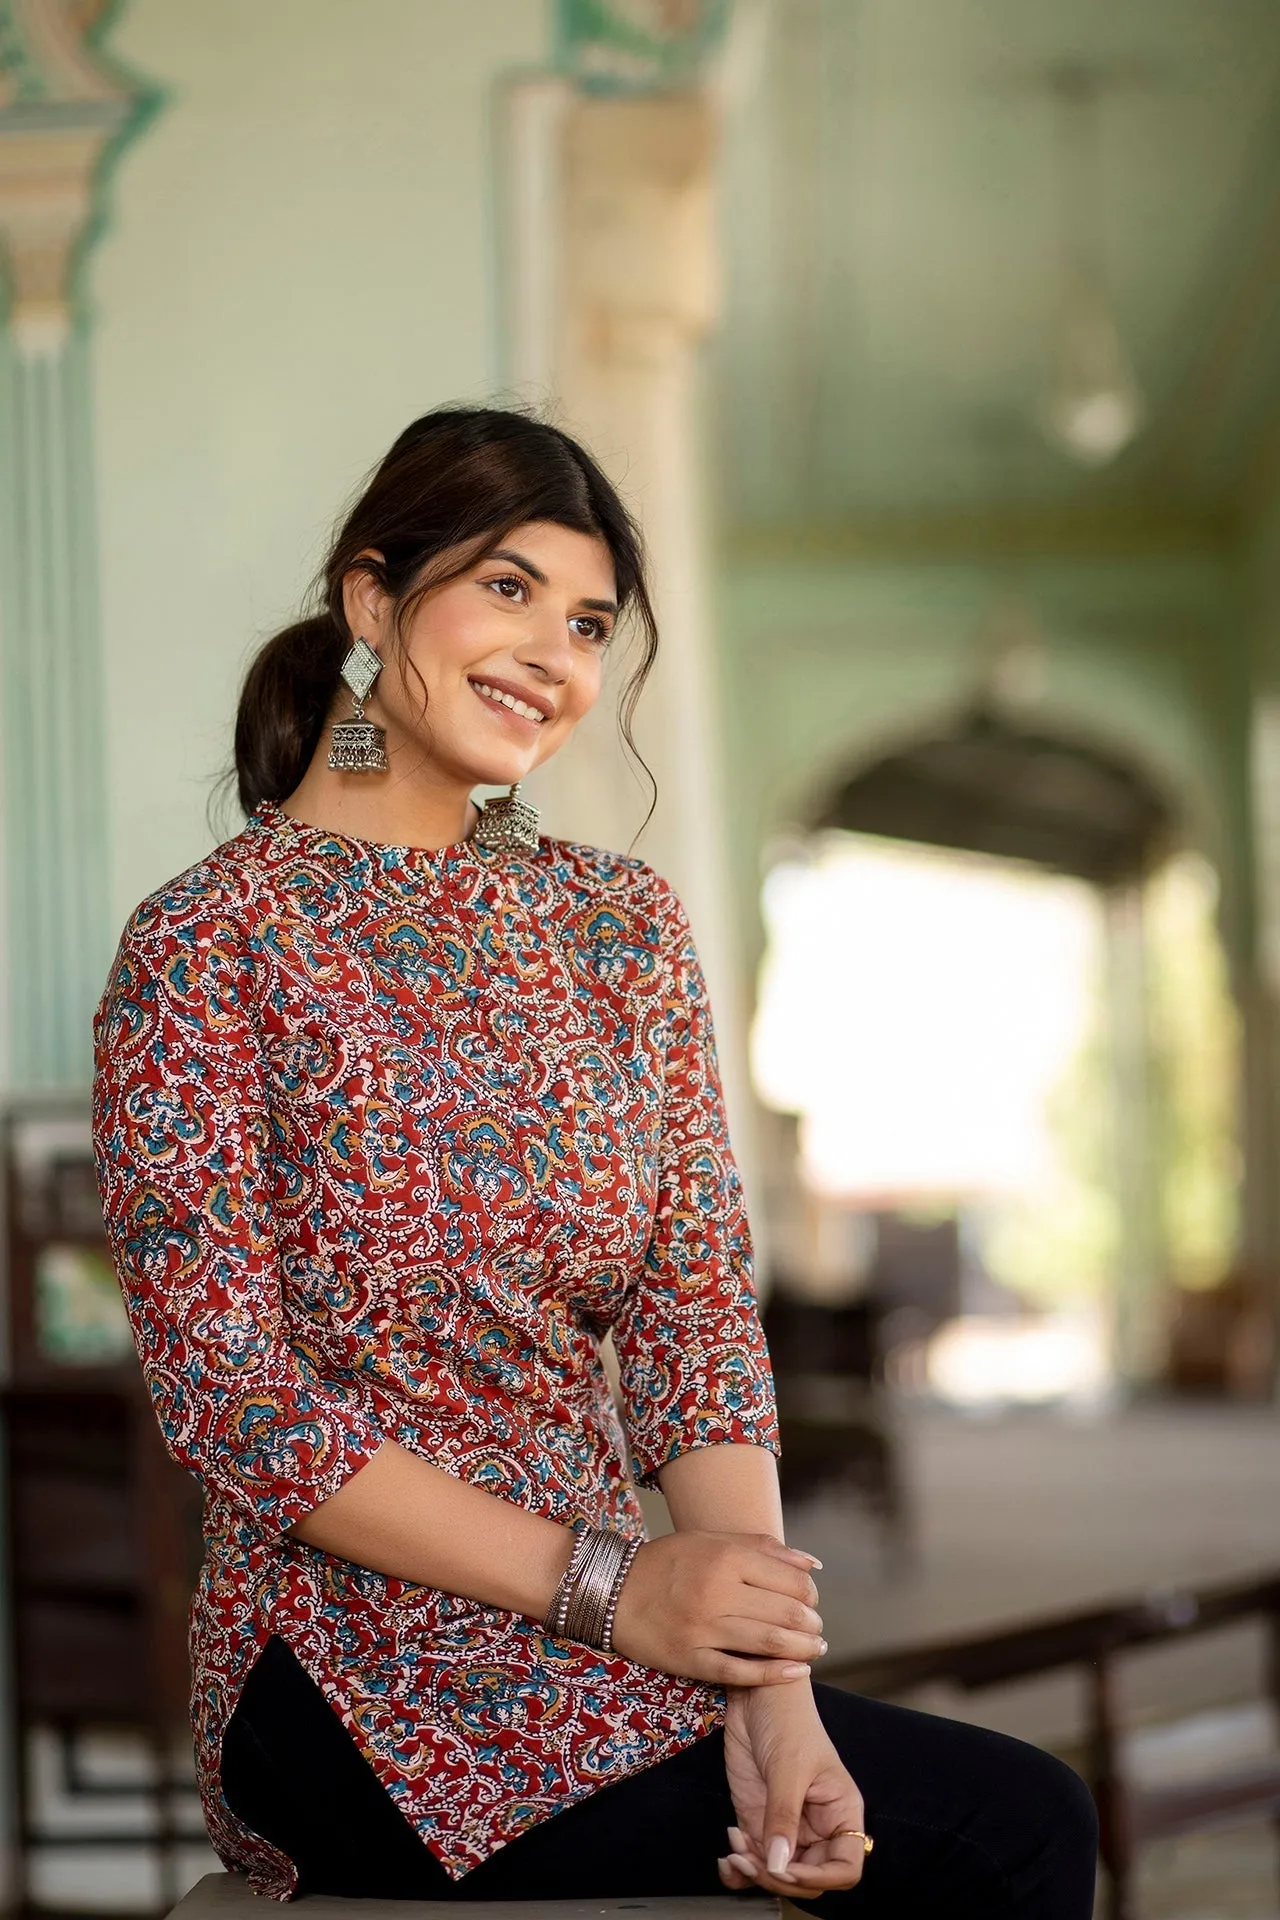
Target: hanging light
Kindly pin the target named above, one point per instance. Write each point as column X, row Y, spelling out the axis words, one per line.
column 1092, row 405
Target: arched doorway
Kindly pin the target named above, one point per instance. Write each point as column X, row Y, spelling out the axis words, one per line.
column 989, row 786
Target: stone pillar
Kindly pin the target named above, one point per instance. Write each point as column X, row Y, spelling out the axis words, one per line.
column 1142, row 1278
column 62, row 110
column 613, row 283
column 612, row 287
column 1258, row 986
column 1260, row 1128
column 638, row 258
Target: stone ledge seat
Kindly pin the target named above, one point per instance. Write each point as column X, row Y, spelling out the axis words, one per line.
column 226, row 1896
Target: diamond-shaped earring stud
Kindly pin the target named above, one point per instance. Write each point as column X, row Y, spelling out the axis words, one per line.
column 360, row 669
column 358, row 745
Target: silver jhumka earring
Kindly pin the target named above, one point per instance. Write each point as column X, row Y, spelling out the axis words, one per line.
column 358, row 745
column 508, row 825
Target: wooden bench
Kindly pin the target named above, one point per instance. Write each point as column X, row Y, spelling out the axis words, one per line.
column 226, row 1896
column 1093, row 1640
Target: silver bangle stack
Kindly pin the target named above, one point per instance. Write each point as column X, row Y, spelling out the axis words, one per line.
column 586, row 1599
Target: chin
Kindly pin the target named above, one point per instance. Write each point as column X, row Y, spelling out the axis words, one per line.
column 485, row 773
column 470, row 762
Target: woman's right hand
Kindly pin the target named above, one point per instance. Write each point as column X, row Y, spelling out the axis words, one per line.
column 735, row 1609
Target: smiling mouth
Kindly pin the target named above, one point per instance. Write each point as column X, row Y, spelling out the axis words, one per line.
column 520, row 708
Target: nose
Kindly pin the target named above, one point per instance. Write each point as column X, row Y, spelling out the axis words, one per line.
column 546, row 648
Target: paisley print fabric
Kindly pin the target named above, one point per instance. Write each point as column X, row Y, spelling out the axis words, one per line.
column 388, row 1140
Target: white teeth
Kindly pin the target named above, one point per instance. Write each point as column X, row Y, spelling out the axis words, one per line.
column 509, row 700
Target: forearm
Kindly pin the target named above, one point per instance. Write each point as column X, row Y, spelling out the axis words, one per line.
column 401, row 1516
column 723, row 1489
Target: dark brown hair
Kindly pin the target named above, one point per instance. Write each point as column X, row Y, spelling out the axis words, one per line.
column 456, row 482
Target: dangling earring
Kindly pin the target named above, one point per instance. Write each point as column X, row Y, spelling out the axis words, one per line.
column 358, row 745
column 509, row 825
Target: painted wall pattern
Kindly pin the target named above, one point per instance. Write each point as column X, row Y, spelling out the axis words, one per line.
column 638, row 46
column 65, row 113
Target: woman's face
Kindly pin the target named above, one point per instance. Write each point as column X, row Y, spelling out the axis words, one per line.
column 511, row 654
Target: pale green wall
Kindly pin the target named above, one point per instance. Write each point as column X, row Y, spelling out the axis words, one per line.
column 301, row 257
column 826, row 664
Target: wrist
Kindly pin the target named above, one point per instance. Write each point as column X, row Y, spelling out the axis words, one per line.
column 789, row 1699
column 585, row 1603
column 545, row 1568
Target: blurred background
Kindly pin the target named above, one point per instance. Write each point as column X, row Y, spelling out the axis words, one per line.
column 936, row 344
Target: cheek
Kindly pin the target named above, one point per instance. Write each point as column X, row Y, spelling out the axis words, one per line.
column 429, row 672
column 584, row 690
column 448, row 637
column 582, row 696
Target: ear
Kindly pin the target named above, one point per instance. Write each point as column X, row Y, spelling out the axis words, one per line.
column 366, row 604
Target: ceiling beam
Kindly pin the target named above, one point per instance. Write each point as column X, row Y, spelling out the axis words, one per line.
column 1092, row 532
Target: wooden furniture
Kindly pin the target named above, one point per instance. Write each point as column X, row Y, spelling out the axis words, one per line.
column 1095, row 1640
column 1222, row 1342
column 834, row 1417
column 101, row 1530
column 225, row 1896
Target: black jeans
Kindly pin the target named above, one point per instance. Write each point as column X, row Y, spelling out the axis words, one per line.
column 968, row 1824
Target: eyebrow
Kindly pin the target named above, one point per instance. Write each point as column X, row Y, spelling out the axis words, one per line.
column 536, row 573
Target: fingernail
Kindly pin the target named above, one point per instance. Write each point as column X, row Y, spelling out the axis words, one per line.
column 794, row 1670
column 738, row 1840
column 812, row 1558
column 741, row 1862
column 779, row 1854
column 822, row 1646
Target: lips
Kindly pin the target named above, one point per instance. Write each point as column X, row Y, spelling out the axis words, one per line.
column 520, row 704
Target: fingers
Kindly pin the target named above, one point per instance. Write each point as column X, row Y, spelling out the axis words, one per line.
column 797, row 1883
column 779, row 1609
column 736, row 1872
column 837, row 1858
column 787, row 1609
column 765, row 1637
column 781, row 1825
column 839, row 1872
column 842, row 1868
column 776, row 1574
column 795, row 1555
column 733, row 1670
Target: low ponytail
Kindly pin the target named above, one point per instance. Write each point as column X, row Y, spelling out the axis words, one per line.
column 285, row 701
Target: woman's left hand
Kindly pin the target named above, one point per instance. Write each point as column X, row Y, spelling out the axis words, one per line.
column 791, row 1794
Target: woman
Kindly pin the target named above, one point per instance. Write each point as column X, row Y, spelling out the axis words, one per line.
column 399, row 1110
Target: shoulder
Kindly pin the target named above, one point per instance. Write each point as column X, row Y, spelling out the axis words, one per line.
column 186, row 953
column 214, row 903
column 597, row 876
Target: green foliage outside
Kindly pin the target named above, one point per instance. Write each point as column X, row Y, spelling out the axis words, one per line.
column 1063, row 1245
column 1195, row 1042
column 1059, row 1247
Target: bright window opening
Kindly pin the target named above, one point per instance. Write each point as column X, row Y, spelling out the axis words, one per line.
column 940, row 1026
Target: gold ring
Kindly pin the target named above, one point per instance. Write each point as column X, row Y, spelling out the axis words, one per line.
column 854, row 1833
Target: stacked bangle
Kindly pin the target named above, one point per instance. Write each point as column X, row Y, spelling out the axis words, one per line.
column 631, row 1550
column 586, row 1599
column 555, row 1621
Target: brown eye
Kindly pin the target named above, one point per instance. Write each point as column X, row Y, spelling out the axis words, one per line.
column 510, row 586
column 588, row 627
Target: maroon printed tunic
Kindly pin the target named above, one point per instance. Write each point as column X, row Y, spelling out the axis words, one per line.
column 388, row 1140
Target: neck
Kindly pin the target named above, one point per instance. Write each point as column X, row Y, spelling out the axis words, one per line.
column 428, row 810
